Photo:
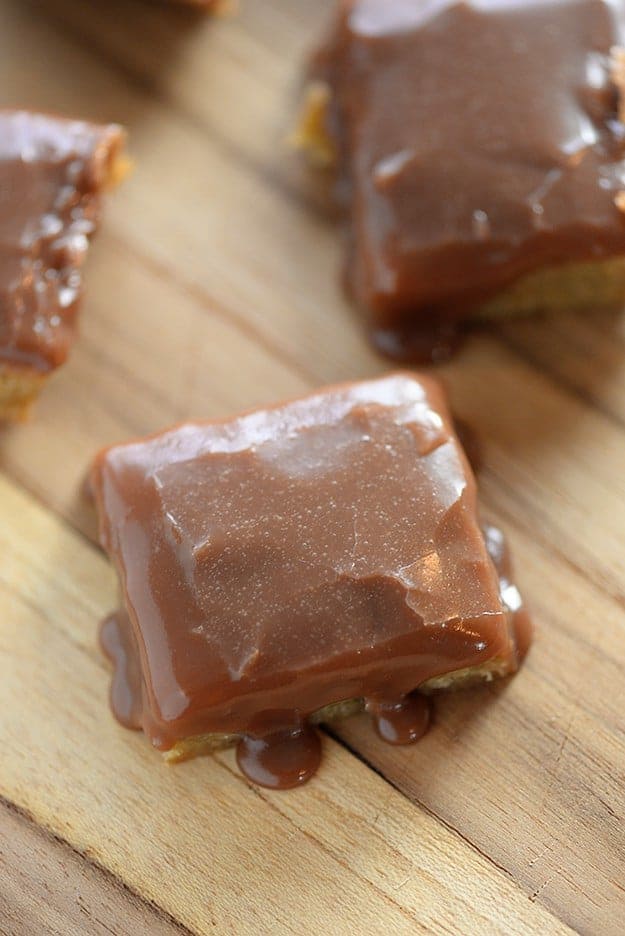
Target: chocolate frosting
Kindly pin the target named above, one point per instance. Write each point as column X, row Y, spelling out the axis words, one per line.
column 479, row 141
column 322, row 550
column 52, row 171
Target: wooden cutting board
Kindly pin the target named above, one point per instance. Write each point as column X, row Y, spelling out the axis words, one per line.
column 213, row 287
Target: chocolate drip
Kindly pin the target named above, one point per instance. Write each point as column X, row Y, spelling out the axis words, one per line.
column 118, row 644
column 403, row 721
column 282, row 759
column 425, row 342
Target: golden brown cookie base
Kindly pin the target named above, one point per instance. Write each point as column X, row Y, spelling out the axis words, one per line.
column 461, row 679
column 19, row 387
column 569, row 287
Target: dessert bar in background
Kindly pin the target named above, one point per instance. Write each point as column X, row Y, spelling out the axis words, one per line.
column 295, row 564
column 53, row 172
column 479, row 147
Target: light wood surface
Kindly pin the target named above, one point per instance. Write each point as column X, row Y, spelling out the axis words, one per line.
column 213, row 287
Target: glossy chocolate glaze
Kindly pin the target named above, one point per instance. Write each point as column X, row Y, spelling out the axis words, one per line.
column 52, row 172
column 478, row 142
column 271, row 565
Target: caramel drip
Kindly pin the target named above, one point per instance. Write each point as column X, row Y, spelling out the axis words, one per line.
column 119, row 646
column 403, row 721
column 282, row 759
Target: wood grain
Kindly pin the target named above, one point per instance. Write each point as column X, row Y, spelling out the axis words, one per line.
column 213, row 287
column 47, row 887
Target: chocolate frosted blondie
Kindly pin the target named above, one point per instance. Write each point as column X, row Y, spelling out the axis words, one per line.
column 53, row 172
column 298, row 563
column 480, row 148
